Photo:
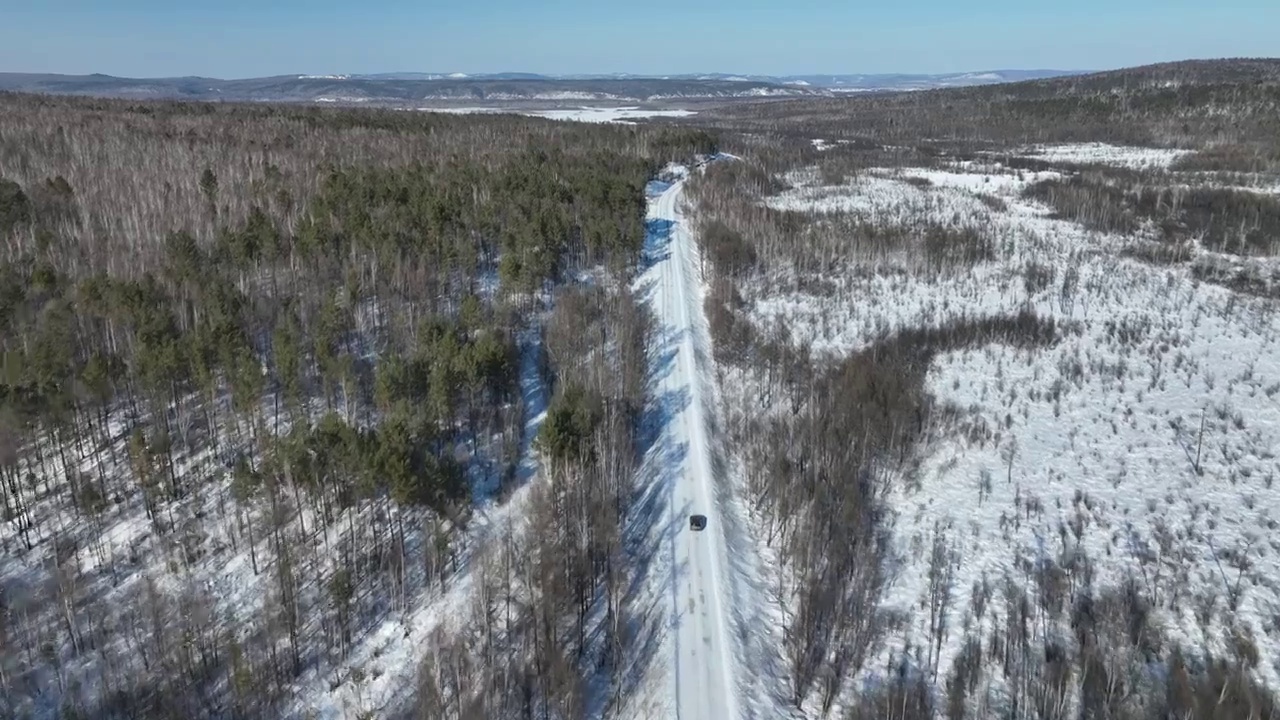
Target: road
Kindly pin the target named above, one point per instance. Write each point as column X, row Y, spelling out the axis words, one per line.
column 703, row 659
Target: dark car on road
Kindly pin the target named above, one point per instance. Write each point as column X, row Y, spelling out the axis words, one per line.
column 697, row 522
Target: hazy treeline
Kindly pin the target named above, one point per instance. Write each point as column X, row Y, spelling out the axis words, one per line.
column 1224, row 109
column 291, row 338
column 1212, row 208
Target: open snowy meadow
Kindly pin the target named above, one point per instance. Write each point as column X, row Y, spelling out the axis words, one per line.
column 1136, row 451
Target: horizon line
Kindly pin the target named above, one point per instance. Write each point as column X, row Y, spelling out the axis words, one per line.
column 462, row 75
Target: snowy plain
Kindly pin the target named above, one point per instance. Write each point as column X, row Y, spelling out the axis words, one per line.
column 1106, row 154
column 592, row 114
column 1145, row 440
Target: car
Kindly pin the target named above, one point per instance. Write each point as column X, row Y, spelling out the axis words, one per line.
column 697, row 522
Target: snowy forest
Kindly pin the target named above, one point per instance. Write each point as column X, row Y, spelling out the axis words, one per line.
column 322, row 412
column 261, row 368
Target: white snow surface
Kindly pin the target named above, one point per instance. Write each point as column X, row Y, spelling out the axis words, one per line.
column 708, row 664
column 1104, row 154
column 605, row 115
column 621, row 115
column 1088, row 447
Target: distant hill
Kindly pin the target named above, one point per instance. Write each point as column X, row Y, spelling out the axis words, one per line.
column 395, row 89
column 1175, row 104
column 892, row 82
column 835, row 82
column 1165, row 77
column 415, row 87
column 863, row 81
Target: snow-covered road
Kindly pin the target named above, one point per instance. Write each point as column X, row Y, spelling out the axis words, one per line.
column 703, row 683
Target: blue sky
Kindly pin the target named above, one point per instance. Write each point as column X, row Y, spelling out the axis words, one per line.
column 240, row 38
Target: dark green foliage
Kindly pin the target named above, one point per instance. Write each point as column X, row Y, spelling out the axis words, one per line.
column 679, row 144
column 185, row 261
column 401, row 457
column 288, row 352
column 53, row 203
column 258, row 241
column 245, row 480
column 489, row 364
column 341, row 590
column 337, row 452
column 15, row 209
column 543, row 209
column 209, row 185
column 247, row 381
column 571, row 419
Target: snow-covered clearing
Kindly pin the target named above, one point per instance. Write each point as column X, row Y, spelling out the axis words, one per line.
column 1145, row 440
column 599, row 114
column 699, row 602
column 1104, row 154
column 887, row 196
column 622, row 115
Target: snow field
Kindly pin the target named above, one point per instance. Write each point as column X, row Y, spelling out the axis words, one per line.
column 621, row 115
column 1105, row 154
column 1092, row 448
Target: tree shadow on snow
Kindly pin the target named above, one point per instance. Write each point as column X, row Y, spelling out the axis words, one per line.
column 656, row 187
column 644, row 291
column 649, row 540
column 657, row 242
column 653, row 523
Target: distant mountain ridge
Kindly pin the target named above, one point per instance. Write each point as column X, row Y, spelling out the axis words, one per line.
column 400, row 88
column 863, row 81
